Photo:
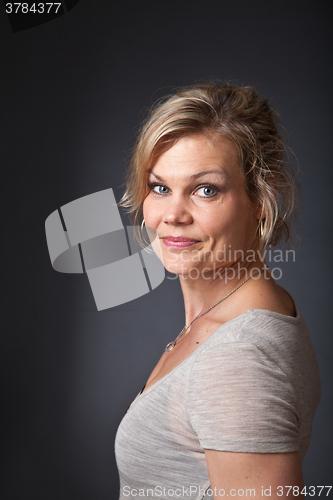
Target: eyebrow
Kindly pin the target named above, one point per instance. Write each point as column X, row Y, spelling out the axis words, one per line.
column 195, row 176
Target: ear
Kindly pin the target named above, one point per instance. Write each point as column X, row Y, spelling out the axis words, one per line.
column 273, row 183
column 260, row 213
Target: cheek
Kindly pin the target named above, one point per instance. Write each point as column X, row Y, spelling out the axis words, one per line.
column 150, row 214
column 231, row 222
column 242, row 208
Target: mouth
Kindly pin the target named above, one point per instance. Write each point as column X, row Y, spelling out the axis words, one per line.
column 179, row 242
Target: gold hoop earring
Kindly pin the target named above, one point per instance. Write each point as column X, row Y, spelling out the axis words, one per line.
column 261, row 229
column 143, row 238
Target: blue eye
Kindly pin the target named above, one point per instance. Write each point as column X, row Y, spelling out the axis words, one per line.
column 160, row 189
column 206, row 191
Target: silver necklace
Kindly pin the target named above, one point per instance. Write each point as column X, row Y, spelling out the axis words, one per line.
column 171, row 345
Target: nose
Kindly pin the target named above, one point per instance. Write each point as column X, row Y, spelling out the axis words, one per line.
column 177, row 212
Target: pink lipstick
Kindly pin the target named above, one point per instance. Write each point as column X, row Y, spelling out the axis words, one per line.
column 179, row 242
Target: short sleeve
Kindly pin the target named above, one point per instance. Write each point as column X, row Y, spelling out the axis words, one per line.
column 239, row 400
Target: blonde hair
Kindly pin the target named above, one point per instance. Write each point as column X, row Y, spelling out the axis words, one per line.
column 235, row 113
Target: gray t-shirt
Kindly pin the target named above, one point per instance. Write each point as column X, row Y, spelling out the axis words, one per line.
column 252, row 386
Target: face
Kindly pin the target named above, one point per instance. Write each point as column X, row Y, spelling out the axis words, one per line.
column 198, row 204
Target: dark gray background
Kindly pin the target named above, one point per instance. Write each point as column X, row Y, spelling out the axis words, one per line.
column 73, row 92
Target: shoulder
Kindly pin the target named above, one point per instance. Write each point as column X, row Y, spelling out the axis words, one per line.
column 264, row 293
column 254, row 345
column 258, row 330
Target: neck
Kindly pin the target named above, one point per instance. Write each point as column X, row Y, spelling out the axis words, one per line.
column 207, row 289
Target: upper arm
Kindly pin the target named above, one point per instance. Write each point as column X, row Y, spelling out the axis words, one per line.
column 245, row 412
column 259, row 475
column 240, row 401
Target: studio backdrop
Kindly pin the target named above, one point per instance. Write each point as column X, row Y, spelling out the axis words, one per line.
column 76, row 82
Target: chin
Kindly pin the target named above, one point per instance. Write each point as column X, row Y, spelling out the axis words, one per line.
column 184, row 269
column 173, row 268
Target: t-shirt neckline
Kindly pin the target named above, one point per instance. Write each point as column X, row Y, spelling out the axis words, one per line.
column 268, row 312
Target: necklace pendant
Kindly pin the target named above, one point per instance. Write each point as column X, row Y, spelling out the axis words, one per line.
column 169, row 346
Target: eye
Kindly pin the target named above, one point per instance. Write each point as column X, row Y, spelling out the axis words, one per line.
column 206, row 191
column 158, row 188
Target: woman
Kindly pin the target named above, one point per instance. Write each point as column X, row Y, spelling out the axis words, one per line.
column 228, row 409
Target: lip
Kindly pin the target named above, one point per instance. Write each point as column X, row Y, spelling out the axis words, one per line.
column 179, row 242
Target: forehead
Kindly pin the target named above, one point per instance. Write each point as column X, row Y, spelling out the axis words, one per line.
column 197, row 154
